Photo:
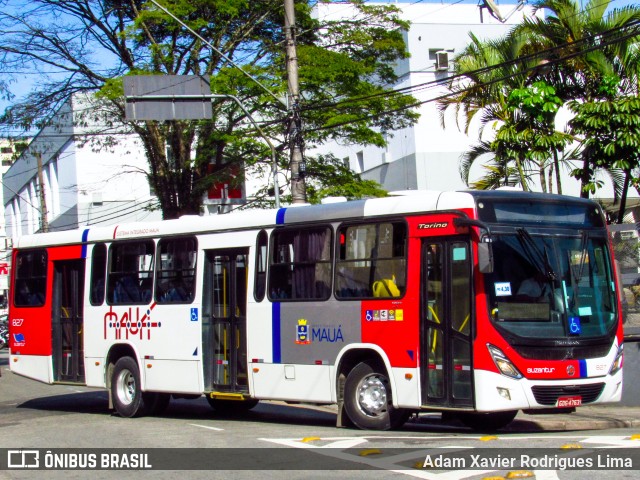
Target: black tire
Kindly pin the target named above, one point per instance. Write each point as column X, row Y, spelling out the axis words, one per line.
column 368, row 401
column 231, row 407
column 487, row 422
column 126, row 395
column 155, row 403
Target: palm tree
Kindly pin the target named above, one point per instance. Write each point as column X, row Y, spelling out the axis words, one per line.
column 584, row 47
column 498, row 171
column 572, row 50
column 487, row 74
column 486, row 71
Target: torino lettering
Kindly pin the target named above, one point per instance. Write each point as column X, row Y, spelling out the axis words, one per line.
column 130, row 323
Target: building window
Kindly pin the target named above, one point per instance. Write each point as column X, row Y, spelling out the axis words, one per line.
column 360, row 157
column 176, row 270
column 130, row 273
column 300, row 264
column 372, row 260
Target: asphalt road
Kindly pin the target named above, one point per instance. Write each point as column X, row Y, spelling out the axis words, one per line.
column 274, row 440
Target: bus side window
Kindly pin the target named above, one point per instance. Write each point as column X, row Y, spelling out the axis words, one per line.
column 300, row 264
column 130, row 274
column 261, row 267
column 371, row 260
column 31, row 278
column 98, row 273
column 176, row 270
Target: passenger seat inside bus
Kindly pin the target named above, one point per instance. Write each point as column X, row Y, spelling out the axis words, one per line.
column 126, row 291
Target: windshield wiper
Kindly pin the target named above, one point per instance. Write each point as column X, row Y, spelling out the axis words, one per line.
column 577, row 272
column 539, row 259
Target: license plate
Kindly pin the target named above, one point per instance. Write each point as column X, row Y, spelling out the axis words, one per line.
column 566, row 402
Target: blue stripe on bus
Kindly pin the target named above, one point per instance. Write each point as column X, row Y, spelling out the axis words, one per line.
column 275, row 331
column 85, row 236
column 280, row 216
column 583, row 368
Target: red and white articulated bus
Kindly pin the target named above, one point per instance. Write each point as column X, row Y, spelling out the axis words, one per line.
column 478, row 304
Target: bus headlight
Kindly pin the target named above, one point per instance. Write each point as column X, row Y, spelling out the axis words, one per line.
column 617, row 362
column 503, row 363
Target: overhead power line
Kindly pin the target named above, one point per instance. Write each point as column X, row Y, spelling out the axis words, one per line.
column 448, row 80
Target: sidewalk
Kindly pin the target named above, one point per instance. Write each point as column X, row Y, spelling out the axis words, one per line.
column 600, row 417
column 584, row 418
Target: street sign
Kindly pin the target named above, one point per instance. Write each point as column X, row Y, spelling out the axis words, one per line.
column 167, row 97
column 187, row 97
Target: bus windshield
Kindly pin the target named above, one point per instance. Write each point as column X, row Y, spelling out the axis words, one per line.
column 551, row 287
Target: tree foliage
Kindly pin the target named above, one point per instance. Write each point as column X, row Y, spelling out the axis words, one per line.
column 90, row 45
column 566, row 57
column 610, row 127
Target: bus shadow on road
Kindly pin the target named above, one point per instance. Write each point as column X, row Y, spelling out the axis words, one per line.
column 96, row 402
column 81, row 402
column 264, row 412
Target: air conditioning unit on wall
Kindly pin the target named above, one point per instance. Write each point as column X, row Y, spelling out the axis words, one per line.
column 442, row 61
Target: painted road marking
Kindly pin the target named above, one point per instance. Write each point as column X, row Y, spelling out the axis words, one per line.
column 216, row 429
column 416, row 449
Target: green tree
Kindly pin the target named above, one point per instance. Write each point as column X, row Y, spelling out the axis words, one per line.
column 581, row 48
column 498, row 171
column 571, row 50
column 531, row 135
column 90, row 45
column 610, row 127
column 493, row 82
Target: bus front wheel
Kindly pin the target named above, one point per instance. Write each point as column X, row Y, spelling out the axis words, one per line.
column 126, row 394
column 367, row 399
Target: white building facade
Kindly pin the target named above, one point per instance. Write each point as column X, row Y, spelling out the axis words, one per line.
column 9, row 150
column 93, row 173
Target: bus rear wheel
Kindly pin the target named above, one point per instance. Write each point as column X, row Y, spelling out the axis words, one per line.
column 126, row 394
column 487, row 422
column 367, row 399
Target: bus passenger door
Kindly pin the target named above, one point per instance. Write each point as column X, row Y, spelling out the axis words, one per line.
column 446, row 323
column 67, row 321
column 224, row 317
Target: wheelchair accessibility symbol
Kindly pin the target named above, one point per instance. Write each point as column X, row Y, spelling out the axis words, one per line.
column 574, row 326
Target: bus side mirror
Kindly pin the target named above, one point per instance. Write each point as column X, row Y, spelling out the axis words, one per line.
column 485, row 257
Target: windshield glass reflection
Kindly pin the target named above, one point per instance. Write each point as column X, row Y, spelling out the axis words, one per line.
column 551, row 287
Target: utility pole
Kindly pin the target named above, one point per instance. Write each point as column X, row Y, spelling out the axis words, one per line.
column 294, row 127
column 44, row 223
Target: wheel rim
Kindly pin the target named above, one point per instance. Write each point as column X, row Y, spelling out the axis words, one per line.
column 126, row 387
column 372, row 396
